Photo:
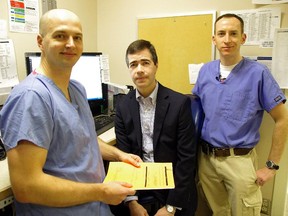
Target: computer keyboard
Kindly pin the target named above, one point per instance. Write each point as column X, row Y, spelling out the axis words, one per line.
column 103, row 123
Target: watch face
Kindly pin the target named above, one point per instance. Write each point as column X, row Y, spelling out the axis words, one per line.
column 269, row 164
column 170, row 209
column 272, row 165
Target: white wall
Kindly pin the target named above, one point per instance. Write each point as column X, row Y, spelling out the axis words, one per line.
column 280, row 192
column 26, row 42
column 286, row 208
column 117, row 24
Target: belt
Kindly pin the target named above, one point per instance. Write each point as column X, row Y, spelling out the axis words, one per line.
column 208, row 149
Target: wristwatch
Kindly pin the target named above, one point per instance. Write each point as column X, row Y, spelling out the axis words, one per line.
column 170, row 209
column 271, row 165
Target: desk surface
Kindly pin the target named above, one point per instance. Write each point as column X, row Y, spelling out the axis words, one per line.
column 5, row 185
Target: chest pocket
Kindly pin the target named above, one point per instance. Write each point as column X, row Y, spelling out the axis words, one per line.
column 239, row 106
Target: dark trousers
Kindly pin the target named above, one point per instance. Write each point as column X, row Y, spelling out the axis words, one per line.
column 151, row 207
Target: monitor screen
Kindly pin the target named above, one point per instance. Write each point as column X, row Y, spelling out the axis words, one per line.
column 87, row 71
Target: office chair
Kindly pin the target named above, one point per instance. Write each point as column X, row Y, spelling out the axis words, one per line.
column 197, row 114
column 198, row 118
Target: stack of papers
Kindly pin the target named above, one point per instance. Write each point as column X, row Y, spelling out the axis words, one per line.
column 146, row 177
column 108, row 136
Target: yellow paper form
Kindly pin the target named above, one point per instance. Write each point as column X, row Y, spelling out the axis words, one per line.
column 148, row 176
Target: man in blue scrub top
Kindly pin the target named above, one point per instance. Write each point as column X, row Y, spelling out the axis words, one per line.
column 234, row 92
column 55, row 161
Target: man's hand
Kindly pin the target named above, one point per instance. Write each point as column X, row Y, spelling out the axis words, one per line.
column 136, row 209
column 130, row 158
column 163, row 212
column 115, row 192
column 111, row 153
column 264, row 175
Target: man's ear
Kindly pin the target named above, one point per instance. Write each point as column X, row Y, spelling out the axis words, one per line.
column 40, row 41
column 244, row 36
column 213, row 39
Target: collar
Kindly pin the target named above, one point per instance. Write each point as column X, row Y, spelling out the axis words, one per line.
column 153, row 95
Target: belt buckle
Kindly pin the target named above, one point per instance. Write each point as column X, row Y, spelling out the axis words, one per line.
column 208, row 148
column 211, row 150
column 222, row 152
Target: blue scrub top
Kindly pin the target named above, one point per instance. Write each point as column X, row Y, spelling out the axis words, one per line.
column 38, row 111
column 234, row 108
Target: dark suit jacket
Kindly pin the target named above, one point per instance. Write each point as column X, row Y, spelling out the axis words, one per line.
column 173, row 140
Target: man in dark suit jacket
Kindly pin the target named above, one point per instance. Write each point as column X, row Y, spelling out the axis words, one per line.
column 155, row 123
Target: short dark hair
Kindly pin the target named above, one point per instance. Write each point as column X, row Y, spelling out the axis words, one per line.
column 140, row 45
column 230, row 15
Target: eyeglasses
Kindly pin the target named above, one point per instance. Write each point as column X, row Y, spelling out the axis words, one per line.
column 2, row 151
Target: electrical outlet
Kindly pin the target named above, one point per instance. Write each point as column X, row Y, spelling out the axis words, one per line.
column 265, row 209
column 6, row 201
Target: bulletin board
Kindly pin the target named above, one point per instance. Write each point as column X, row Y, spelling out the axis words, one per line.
column 179, row 41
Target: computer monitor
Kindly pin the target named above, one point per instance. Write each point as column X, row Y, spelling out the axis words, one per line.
column 87, row 71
